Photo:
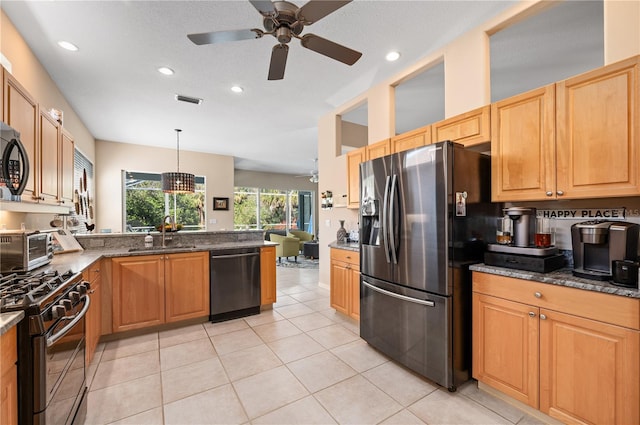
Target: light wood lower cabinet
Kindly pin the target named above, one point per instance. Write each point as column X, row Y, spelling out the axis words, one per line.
column 93, row 323
column 345, row 282
column 8, row 378
column 155, row 289
column 571, row 353
column 186, row 286
column 267, row 275
column 505, row 347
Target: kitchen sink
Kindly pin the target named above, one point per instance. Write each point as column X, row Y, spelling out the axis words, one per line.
column 159, row 248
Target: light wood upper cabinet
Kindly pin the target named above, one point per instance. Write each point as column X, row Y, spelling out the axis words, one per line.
column 67, row 152
column 186, row 286
column 354, row 158
column 22, row 113
column 523, row 146
column 49, row 157
column 411, row 139
column 598, row 132
column 576, row 139
column 267, row 275
column 571, row 353
column 469, row 129
column 379, row 149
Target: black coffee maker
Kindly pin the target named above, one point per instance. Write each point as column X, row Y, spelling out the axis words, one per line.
column 598, row 247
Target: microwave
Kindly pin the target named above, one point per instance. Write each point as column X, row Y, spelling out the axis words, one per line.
column 22, row 251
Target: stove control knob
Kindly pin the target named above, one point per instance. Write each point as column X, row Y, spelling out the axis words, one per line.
column 66, row 304
column 57, row 311
column 83, row 288
column 75, row 296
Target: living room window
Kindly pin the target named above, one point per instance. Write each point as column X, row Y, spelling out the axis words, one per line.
column 255, row 208
column 145, row 204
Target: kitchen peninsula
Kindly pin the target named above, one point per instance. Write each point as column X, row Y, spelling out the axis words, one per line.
column 173, row 285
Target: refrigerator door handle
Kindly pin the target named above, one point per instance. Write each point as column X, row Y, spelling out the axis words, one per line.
column 383, row 223
column 392, row 215
column 401, row 297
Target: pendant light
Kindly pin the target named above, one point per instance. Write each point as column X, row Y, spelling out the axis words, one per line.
column 177, row 182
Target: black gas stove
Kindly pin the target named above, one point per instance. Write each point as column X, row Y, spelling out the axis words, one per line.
column 55, row 305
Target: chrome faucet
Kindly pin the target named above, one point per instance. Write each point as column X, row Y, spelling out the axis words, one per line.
column 173, row 227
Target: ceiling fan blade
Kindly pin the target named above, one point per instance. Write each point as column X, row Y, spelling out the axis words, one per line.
column 223, row 36
column 330, row 49
column 278, row 61
column 265, row 7
column 315, row 10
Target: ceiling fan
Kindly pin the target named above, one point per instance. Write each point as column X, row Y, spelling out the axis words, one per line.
column 285, row 21
column 313, row 174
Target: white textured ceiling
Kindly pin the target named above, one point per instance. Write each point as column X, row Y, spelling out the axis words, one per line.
column 113, row 85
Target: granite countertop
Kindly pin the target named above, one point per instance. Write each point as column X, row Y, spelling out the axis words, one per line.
column 562, row 277
column 349, row 246
column 78, row 261
column 9, row 320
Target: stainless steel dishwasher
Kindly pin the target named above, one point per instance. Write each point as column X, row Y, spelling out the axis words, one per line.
column 234, row 283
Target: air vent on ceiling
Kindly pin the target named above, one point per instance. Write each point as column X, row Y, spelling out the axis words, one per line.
column 188, row 99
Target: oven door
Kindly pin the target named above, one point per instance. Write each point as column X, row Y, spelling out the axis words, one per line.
column 60, row 377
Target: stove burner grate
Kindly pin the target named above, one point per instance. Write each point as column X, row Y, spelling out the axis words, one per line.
column 27, row 289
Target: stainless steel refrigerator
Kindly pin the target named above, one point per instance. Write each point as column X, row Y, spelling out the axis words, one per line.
column 425, row 216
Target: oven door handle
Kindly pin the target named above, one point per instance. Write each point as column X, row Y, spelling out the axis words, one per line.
column 74, row 319
column 400, row 297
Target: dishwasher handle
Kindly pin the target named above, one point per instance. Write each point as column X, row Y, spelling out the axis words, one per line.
column 251, row 254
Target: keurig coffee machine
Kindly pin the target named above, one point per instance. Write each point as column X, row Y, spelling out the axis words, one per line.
column 599, row 247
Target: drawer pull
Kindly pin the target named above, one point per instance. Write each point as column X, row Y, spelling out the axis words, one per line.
column 549, row 193
column 532, row 314
column 543, row 317
column 560, row 193
column 538, row 295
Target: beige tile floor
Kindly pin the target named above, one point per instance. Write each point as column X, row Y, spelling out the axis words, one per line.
column 300, row 363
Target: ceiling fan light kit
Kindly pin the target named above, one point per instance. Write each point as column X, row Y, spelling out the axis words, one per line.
column 284, row 21
column 177, row 182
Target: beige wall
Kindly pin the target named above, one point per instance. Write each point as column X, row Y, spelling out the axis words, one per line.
column 467, row 86
column 26, row 68
column 115, row 157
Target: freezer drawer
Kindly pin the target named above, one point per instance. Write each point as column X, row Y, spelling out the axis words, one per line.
column 411, row 327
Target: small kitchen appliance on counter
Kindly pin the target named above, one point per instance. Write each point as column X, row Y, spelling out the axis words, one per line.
column 530, row 246
column 601, row 247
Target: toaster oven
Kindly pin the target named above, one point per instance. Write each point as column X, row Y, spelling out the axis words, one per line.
column 22, row 251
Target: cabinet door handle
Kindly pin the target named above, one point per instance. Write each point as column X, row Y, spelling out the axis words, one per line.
column 543, row 317
column 532, row 314
column 538, row 295
column 560, row 193
column 549, row 193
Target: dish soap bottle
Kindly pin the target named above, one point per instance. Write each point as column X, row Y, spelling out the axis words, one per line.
column 148, row 241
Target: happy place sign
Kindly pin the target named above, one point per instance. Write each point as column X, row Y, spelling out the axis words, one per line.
column 590, row 213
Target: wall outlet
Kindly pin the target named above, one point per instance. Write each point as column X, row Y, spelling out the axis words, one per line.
column 327, row 222
column 212, row 221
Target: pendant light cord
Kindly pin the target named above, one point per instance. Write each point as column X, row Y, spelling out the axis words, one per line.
column 178, row 147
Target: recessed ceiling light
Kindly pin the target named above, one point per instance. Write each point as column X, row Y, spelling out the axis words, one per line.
column 166, row 71
column 392, row 56
column 68, row 46
column 237, row 89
